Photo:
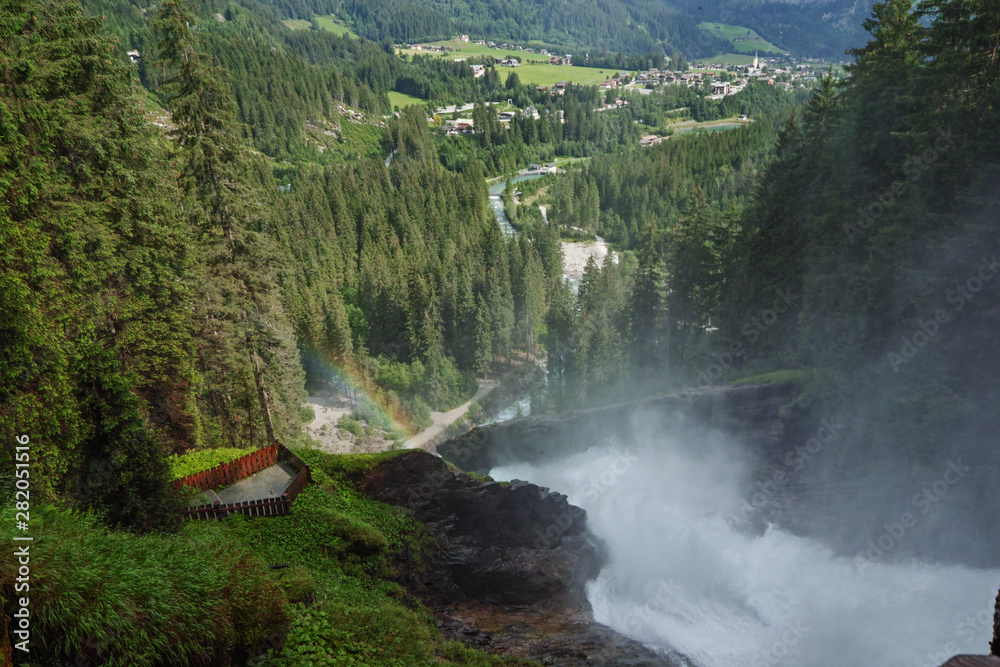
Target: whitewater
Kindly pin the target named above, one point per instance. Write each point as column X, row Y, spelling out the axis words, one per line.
column 686, row 579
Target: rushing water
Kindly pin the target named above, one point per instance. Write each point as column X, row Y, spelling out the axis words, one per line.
column 680, row 578
column 497, row 188
column 521, row 408
column 496, row 201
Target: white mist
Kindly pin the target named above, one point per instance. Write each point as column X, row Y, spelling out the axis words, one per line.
column 680, row 578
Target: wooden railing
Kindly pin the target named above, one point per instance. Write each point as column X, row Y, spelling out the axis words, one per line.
column 241, row 468
column 233, row 471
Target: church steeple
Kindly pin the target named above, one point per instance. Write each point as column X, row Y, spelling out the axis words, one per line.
column 755, row 61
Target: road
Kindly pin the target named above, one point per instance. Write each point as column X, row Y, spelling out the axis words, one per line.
column 444, row 419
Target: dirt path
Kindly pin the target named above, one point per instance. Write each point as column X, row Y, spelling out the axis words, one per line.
column 444, row 419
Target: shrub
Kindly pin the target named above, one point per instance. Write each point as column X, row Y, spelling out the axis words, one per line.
column 352, row 426
column 306, row 414
column 367, row 410
column 418, row 411
column 356, row 535
column 297, row 583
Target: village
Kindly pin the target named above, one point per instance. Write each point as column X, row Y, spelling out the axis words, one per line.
column 728, row 79
column 724, row 80
column 720, row 77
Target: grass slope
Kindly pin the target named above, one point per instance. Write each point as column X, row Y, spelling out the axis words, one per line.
column 728, row 32
column 195, row 597
column 334, row 25
column 402, row 100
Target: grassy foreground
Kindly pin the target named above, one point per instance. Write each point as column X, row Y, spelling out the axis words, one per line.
column 208, row 591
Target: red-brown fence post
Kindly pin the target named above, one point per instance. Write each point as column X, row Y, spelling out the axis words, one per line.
column 230, row 472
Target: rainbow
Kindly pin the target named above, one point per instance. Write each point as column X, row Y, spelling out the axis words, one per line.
column 345, row 374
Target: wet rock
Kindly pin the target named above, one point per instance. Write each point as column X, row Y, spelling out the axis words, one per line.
column 512, row 558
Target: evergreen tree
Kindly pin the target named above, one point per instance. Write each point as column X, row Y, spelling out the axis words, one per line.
column 647, row 327
column 215, row 174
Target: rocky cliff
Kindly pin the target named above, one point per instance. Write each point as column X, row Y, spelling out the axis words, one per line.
column 510, row 564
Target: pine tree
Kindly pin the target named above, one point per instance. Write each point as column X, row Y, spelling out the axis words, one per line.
column 647, row 328
column 93, row 257
column 217, row 174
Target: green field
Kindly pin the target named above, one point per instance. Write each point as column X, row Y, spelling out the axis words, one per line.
column 297, row 24
column 728, row 32
column 535, row 68
column 402, row 100
column 684, row 127
column 334, row 25
column 549, row 75
column 725, row 59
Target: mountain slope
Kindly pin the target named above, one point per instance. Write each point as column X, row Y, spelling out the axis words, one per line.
column 821, row 28
column 807, row 27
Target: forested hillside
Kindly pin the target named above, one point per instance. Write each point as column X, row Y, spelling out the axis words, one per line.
column 164, row 286
column 632, row 27
column 880, row 216
column 859, row 254
column 818, row 28
column 158, row 289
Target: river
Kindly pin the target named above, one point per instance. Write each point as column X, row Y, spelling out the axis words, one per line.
column 575, row 253
column 496, row 201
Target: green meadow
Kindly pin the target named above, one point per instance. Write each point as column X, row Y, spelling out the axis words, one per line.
column 728, row 32
column 334, row 25
column 549, row 75
column 403, row 100
column 297, row 24
column 726, row 59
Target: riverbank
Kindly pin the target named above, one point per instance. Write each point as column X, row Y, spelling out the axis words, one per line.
column 576, row 254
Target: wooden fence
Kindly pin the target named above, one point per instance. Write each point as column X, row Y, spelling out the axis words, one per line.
column 233, row 471
column 241, row 468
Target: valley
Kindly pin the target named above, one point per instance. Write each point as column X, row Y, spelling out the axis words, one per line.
column 427, row 333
